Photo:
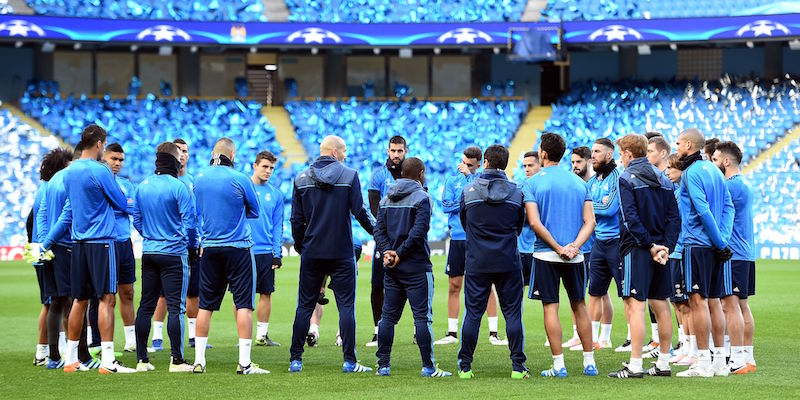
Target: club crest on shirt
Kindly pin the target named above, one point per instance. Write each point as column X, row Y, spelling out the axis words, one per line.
column 267, row 196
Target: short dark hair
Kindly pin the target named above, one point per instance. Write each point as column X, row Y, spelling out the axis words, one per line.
column 710, row 146
column 661, row 143
column 605, row 142
column 496, row 156
column 553, row 144
column 55, row 160
column 92, row 134
column 650, row 135
column 473, row 152
column 76, row 154
column 168, row 147
column 583, row 152
column 412, row 167
column 265, row 155
column 731, row 149
column 397, row 139
column 180, row 141
column 115, row 148
column 533, row 154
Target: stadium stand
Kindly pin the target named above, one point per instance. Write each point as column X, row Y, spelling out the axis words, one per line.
column 437, row 133
column 193, row 10
column 776, row 205
column 21, row 151
column 407, row 11
column 593, row 10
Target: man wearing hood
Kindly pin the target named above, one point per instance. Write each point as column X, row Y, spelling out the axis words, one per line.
column 649, row 228
column 164, row 213
column 382, row 178
column 401, row 235
column 492, row 215
column 323, row 198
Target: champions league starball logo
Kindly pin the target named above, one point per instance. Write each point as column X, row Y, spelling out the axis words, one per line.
column 615, row 32
column 761, row 28
column 18, row 27
column 163, row 33
column 314, row 35
column 464, row 35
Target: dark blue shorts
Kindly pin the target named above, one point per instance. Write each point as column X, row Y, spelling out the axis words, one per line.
column 679, row 294
column 702, row 272
column 223, row 266
column 93, row 271
column 604, row 266
column 643, row 278
column 456, row 258
column 547, row 277
column 39, row 267
column 586, row 264
column 527, row 265
column 751, row 281
column 736, row 278
column 265, row 280
column 126, row 262
column 377, row 269
column 57, row 272
column 194, row 279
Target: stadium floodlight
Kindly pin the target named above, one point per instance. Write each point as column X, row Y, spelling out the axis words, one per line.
column 134, row 48
column 165, row 50
column 271, row 67
column 643, row 49
column 749, row 44
column 77, row 46
column 376, row 51
column 314, row 50
column 794, row 44
column 673, row 46
column 253, row 50
column 405, row 53
column 496, row 50
column 437, row 51
column 48, row 47
column 18, row 44
column 193, row 49
column 615, row 48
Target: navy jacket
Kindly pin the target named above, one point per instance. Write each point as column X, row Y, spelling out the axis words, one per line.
column 404, row 217
column 648, row 210
column 492, row 214
column 323, row 198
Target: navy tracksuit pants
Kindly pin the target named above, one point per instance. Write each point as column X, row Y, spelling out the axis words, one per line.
column 477, row 288
column 168, row 275
column 343, row 282
column 417, row 288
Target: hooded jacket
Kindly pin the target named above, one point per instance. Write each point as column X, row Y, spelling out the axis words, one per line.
column 492, row 214
column 648, row 210
column 323, row 198
column 404, row 217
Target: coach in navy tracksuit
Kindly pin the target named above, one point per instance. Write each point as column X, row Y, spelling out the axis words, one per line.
column 401, row 235
column 492, row 214
column 164, row 213
column 323, row 198
column 649, row 228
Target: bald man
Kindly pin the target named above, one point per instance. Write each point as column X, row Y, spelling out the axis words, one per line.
column 707, row 225
column 323, row 198
column 225, row 200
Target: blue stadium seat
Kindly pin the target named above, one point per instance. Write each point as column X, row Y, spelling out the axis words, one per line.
column 593, row 10
column 194, row 10
column 405, row 11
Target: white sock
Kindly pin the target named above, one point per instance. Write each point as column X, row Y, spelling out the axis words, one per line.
column 737, row 356
column 558, row 362
column 88, row 334
column 605, row 332
column 376, row 329
column 452, row 325
column 588, row 358
column 62, row 343
column 492, row 324
column 261, row 329
column 635, row 365
column 107, row 355
column 595, row 331
column 681, row 335
column 575, row 332
column 629, row 333
column 663, row 361
column 704, row 359
column 158, row 328
column 718, row 357
column 711, row 343
column 244, row 351
column 71, row 355
column 42, row 350
column 693, row 345
column 192, row 327
column 313, row 329
column 727, row 346
column 748, row 354
column 200, row 350
column 130, row 335
column 654, row 331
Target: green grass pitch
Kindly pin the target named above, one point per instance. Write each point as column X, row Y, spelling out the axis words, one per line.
column 776, row 308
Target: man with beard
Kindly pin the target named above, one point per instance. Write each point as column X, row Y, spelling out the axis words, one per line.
column 383, row 177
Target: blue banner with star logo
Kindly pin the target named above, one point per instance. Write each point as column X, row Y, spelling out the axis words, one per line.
column 30, row 27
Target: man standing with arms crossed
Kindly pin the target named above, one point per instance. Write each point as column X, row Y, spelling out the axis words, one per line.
column 323, row 198
column 383, row 177
column 267, row 233
column 225, row 200
column 706, row 231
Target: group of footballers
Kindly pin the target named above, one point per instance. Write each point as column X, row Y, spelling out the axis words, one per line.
column 667, row 227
